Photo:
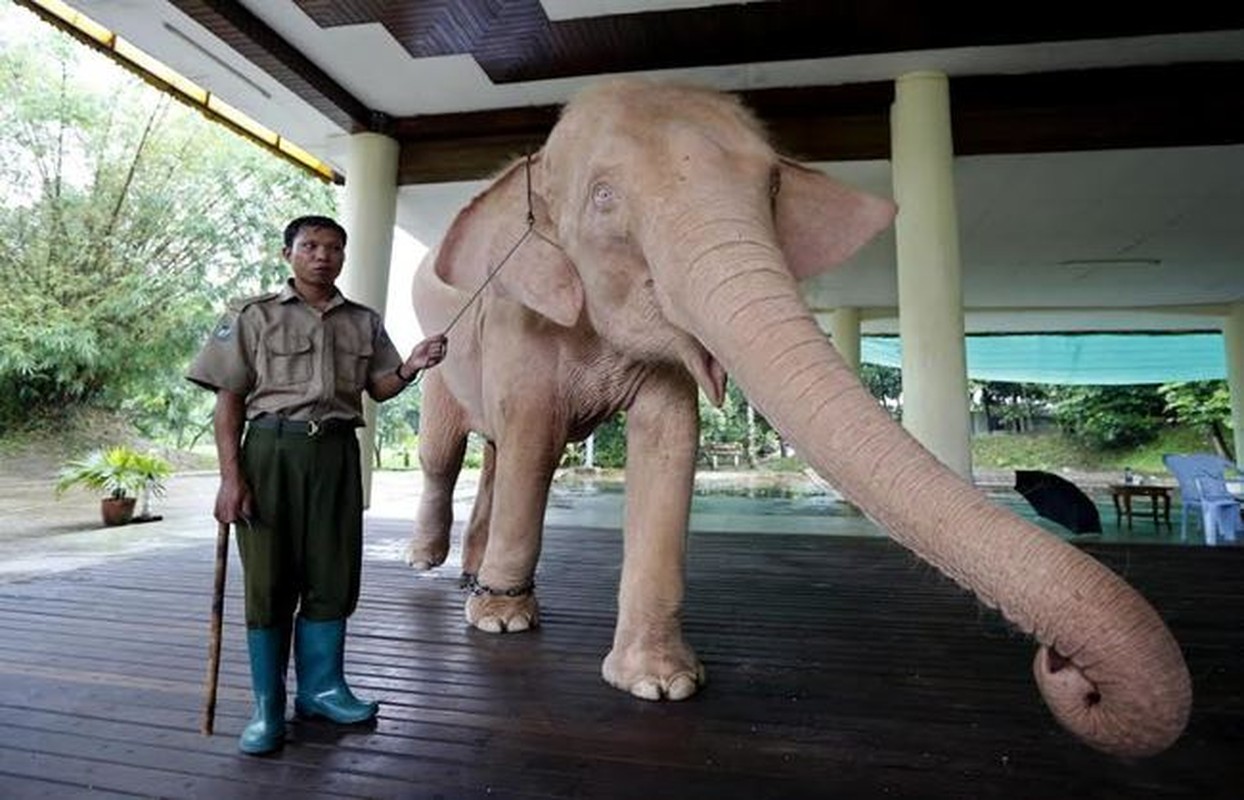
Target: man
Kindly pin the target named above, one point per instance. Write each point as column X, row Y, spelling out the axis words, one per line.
column 291, row 367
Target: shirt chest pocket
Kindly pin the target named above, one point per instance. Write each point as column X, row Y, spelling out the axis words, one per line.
column 290, row 357
column 353, row 359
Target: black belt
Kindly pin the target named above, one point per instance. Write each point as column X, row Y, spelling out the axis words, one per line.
column 304, row 427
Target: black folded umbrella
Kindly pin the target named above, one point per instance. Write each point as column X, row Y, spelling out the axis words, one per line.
column 1059, row 500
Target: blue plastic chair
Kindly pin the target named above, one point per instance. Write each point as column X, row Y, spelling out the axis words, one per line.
column 1220, row 510
column 1210, row 507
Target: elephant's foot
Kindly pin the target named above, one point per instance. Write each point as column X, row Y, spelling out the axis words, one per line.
column 500, row 611
column 664, row 668
column 425, row 552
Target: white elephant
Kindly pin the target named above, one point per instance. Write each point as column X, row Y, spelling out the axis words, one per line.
column 668, row 242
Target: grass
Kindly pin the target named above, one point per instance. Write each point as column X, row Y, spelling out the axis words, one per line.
column 42, row 448
column 67, row 435
column 1053, row 451
column 1044, row 451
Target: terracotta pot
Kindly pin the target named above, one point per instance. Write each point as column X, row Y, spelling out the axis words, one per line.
column 117, row 510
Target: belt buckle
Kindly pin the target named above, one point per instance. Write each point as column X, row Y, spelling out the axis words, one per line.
column 313, row 429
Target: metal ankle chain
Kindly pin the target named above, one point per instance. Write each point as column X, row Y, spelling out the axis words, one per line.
column 471, row 583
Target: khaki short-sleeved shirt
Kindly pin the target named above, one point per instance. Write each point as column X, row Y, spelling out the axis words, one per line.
column 289, row 359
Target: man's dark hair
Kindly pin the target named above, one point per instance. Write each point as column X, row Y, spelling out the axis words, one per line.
column 312, row 221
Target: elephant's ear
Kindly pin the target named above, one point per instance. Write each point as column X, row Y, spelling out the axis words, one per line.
column 536, row 273
column 821, row 222
column 540, row 276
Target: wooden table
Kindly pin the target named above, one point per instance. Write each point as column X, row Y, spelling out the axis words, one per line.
column 1122, row 494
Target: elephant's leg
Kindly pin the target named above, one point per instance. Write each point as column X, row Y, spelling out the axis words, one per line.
column 476, row 539
column 649, row 657
column 504, row 598
column 442, row 445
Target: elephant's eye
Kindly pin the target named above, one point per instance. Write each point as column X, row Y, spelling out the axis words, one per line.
column 775, row 182
column 603, row 196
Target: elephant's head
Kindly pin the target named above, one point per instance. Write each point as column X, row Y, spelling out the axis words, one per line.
column 674, row 227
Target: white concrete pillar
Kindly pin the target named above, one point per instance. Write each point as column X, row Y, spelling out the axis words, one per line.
column 370, row 209
column 1233, row 342
column 844, row 332
column 930, row 297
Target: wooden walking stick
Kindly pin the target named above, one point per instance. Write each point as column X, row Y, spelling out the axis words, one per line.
column 218, row 616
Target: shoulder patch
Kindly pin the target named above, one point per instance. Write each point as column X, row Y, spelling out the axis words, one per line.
column 225, row 327
column 227, row 324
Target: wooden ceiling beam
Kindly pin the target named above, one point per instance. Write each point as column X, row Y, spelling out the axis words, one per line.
column 515, row 41
column 1175, row 105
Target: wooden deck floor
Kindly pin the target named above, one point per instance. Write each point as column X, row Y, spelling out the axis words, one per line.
column 838, row 667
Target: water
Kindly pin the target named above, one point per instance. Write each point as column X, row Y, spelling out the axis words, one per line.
column 732, row 508
column 727, row 502
column 738, row 504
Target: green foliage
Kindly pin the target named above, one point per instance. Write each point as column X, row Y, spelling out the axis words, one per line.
column 725, row 425
column 173, row 411
column 397, row 422
column 1045, row 451
column 1010, row 406
column 1057, row 451
column 129, row 220
column 784, row 464
column 729, row 423
column 610, row 442
column 1109, row 417
column 1148, row 457
column 885, row 384
column 474, row 457
column 117, row 472
column 1205, row 403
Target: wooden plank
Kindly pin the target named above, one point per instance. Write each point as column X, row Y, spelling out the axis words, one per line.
column 836, row 666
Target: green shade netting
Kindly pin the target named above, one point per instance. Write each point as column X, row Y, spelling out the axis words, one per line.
column 1096, row 359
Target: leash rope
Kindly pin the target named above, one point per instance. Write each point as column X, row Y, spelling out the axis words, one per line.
column 487, row 280
column 531, row 228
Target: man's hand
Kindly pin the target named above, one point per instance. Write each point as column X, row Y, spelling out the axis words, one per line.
column 428, row 353
column 233, row 501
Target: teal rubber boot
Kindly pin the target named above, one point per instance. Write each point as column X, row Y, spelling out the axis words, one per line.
column 269, row 653
column 319, row 659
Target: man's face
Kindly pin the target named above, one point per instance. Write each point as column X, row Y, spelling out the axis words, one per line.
column 316, row 256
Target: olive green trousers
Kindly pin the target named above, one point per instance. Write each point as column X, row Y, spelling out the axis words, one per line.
column 303, row 548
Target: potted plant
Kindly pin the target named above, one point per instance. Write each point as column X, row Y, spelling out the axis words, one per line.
column 121, row 474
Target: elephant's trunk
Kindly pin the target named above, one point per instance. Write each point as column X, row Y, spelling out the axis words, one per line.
column 1108, row 667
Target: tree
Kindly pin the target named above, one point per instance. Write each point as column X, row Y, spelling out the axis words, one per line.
column 735, row 422
column 128, row 221
column 397, row 420
column 1010, row 406
column 1109, row 417
column 1205, row 404
column 611, row 442
column 885, row 384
